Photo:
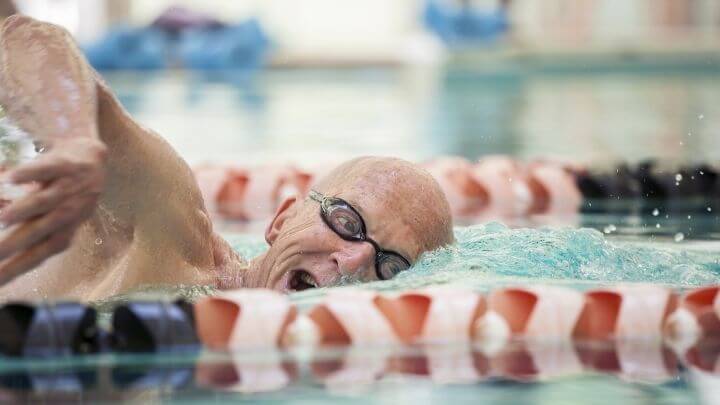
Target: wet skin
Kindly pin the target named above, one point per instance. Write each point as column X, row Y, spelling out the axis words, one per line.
column 117, row 208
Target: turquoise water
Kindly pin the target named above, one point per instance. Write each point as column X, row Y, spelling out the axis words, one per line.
column 493, row 254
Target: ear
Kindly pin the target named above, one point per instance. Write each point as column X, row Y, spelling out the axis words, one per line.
column 281, row 215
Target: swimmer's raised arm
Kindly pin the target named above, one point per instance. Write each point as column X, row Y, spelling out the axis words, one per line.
column 49, row 93
column 151, row 219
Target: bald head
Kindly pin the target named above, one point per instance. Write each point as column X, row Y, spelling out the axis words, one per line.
column 404, row 211
column 396, row 190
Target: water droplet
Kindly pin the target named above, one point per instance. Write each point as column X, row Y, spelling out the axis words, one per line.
column 41, row 149
column 679, row 237
column 98, row 241
column 681, row 143
column 657, row 226
column 609, row 229
column 701, row 116
column 689, row 133
column 656, row 212
column 689, row 216
column 702, row 173
column 678, row 177
column 709, row 209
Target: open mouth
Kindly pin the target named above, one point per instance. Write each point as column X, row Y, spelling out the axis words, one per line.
column 301, row 280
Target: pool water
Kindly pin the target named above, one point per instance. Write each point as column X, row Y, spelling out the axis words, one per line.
column 602, row 117
column 306, row 116
column 485, row 256
column 517, row 375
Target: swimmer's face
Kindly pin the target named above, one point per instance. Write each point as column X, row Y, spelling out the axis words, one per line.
column 403, row 211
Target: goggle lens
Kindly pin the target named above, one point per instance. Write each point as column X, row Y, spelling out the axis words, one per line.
column 344, row 221
column 389, row 265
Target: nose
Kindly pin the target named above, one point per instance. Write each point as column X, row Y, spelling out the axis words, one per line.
column 354, row 259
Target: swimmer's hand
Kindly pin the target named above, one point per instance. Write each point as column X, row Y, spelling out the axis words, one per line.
column 70, row 178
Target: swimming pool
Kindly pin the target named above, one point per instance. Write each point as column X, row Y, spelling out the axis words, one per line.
column 313, row 116
column 417, row 114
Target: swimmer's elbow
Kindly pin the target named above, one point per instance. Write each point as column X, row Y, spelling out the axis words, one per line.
column 19, row 34
column 24, row 28
column 12, row 23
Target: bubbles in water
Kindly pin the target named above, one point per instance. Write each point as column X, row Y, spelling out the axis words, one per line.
column 609, row 229
column 655, row 212
column 709, row 209
column 657, row 226
column 98, row 241
column 689, row 217
column 701, row 116
column 493, row 254
column 679, row 237
column 678, row 177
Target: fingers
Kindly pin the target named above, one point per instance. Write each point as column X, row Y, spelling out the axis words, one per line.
column 34, row 231
column 84, row 156
column 28, row 259
column 43, row 169
column 35, row 204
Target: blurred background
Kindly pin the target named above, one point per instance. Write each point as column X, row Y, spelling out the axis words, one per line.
column 313, row 81
column 596, row 81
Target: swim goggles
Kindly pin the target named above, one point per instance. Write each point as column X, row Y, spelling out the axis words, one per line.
column 348, row 224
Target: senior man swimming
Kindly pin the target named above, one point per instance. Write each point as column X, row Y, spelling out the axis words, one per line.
column 116, row 207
